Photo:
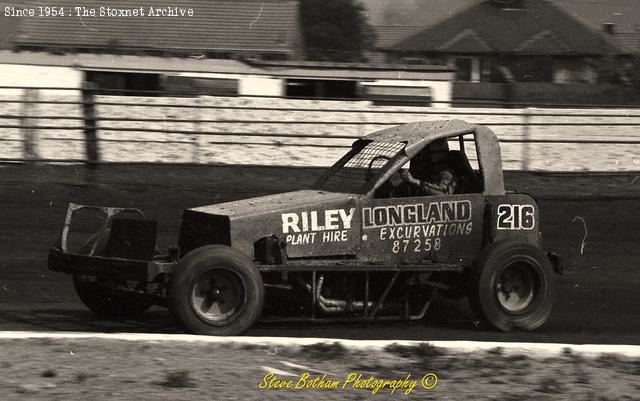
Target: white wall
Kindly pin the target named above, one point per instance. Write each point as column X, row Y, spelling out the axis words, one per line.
column 261, row 85
column 247, row 84
column 441, row 91
column 39, row 76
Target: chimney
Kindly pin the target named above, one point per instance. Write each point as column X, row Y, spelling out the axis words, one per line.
column 509, row 4
column 609, row 28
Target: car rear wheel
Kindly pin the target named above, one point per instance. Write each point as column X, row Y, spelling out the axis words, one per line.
column 101, row 299
column 100, row 296
column 511, row 286
column 216, row 290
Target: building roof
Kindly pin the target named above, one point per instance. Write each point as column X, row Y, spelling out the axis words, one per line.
column 623, row 14
column 629, row 40
column 176, row 65
column 7, row 30
column 421, row 13
column 127, row 63
column 540, row 28
column 328, row 65
column 388, row 35
column 238, row 25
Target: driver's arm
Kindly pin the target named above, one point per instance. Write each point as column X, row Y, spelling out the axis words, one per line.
column 443, row 185
column 407, row 177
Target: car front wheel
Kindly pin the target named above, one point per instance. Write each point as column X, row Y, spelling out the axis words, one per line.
column 511, row 286
column 216, row 290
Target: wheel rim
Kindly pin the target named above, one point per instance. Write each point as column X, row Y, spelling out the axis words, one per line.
column 516, row 288
column 217, row 296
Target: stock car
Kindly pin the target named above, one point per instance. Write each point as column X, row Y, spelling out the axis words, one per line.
column 354, row 247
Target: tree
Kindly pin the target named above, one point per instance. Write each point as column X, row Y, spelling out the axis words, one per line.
column 335, row 30
column 622, row 74
column 620, row 70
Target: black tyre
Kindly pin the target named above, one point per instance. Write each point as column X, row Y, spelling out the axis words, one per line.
column 511, row 286
column 98, row 296
column 107, row 302
column 216, row 290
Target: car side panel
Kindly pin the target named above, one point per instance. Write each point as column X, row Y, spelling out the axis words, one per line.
column 514, row 216
column 440, row 228
column 320, row 230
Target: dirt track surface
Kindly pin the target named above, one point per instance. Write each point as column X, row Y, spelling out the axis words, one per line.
column 597, row 301
column 99, row 369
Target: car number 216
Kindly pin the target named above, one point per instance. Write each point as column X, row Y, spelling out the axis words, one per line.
column 516, row 217
column 416, row 245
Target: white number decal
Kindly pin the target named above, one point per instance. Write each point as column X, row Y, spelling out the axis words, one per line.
column 401, row 246
column 516, row 217
column 406, row 244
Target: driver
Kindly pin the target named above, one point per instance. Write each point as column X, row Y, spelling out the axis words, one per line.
column 434, row 170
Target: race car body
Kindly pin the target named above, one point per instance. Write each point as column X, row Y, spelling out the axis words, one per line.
column 372, row 239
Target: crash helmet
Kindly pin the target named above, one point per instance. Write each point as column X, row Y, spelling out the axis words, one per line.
column 435, row 152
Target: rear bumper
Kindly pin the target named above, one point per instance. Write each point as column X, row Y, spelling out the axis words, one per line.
column 556, row 262
column 107, row 268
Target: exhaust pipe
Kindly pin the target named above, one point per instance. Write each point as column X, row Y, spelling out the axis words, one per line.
column 331, row 305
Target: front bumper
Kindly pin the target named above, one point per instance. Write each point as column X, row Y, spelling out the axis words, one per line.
column 107, row 268
column 128, row 253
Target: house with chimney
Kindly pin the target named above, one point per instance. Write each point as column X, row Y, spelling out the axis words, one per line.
column 511, row 51
column 515, row 40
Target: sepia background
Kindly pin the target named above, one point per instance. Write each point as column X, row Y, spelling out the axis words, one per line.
column 248, row 98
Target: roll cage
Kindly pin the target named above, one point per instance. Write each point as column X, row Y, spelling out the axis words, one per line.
column 354, row 173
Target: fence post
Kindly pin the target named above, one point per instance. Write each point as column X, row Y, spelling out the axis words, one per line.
column 90, row 129
column 526, row 137
column 29, row 133
column 196, row 128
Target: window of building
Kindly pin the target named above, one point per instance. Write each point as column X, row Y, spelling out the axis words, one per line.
column 463, row 68
column 124, row 83
column 414, row 60
column 201, row 86
column 274, row 56
column 321, row 88
column 398, row 95
column 217, row 55
column 531, row 69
